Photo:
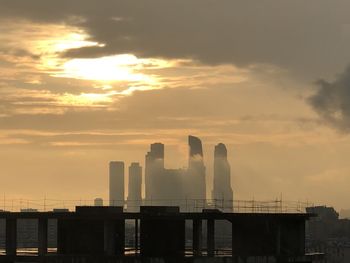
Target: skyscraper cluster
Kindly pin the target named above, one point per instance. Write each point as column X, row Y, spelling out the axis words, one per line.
column 171, row 186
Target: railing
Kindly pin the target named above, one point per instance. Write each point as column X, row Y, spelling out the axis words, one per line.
column 186, row 205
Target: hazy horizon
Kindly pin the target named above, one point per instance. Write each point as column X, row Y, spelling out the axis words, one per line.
column 86, row 82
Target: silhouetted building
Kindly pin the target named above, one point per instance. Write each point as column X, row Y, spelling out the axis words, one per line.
column 135, row 187
column 196, row 169
column 57, row 210
column 175, row 186
column 98, row 202
column 328, row 234
column 161, row 183
column 326, row 224
column 28, row 210
column 116, row 183
column 154, row 170
column 222, row 191
column 323, row 213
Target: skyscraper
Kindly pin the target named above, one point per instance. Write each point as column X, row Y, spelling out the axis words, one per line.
column 135, row 187
column 154, row 170
column 222, row 190
column 196, row 169
column 116, row 183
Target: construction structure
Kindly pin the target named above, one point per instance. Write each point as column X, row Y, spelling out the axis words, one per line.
column 97, row 234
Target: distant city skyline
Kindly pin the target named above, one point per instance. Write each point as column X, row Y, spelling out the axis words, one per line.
column 164, row 186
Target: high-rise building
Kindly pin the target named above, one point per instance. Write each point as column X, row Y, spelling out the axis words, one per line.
column 154, row 170
column 222, row 190
column 175, row 186
column 195, row 145
column 196, row 169
column 135, row 187
column 116, row 183
column 98, row 202
column 183, row 187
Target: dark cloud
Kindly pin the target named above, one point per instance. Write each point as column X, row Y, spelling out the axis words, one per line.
column 332, row 101
column 19, row 52
column 24, row 53
column 301, row 35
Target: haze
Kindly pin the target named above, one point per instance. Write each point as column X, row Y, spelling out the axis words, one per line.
column 85, row 82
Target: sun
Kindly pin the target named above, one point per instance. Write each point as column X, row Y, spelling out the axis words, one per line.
column 105, row 69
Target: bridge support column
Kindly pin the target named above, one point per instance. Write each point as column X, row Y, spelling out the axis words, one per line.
column 197, row 237
column 210, row 237
column 109, row 238
column 42, row 236
column 235, row 258
column 136, row 235
column 278, row 240
column 11, row 236
column 279, row 256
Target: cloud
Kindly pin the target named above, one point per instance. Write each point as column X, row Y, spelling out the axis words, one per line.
column 242, row 114
column 227, row 73
column 332, row 101
column 284, row 33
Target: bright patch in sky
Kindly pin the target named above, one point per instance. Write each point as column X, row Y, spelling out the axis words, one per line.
column 121, row 67
column 112, row 68
column 67, row 41
column 86, row 99
column 113, row 76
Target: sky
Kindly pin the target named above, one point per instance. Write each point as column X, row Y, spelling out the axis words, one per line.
column 85, row 82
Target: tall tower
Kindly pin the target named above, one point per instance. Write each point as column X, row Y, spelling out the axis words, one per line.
column 196, row 169
column 135, row 184
column 116, row 183
column 153, row 170
column 222, row 190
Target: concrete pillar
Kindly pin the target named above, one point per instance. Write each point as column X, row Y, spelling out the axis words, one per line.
column 278, row 240
column 235, row 258
column 11, row 236
column 109, row 238
column 42, row 236
column 302, row 238
column 278, row 256
column 197, row 237
column 210, row 237
column 136, row 235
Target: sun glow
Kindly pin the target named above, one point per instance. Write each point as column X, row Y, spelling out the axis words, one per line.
column 107, row 69
column 102, row 70
column 112, row 76
column 65, row 42
column 122, row 67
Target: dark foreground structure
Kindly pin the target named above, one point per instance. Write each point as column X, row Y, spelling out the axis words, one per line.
column 97, row 234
